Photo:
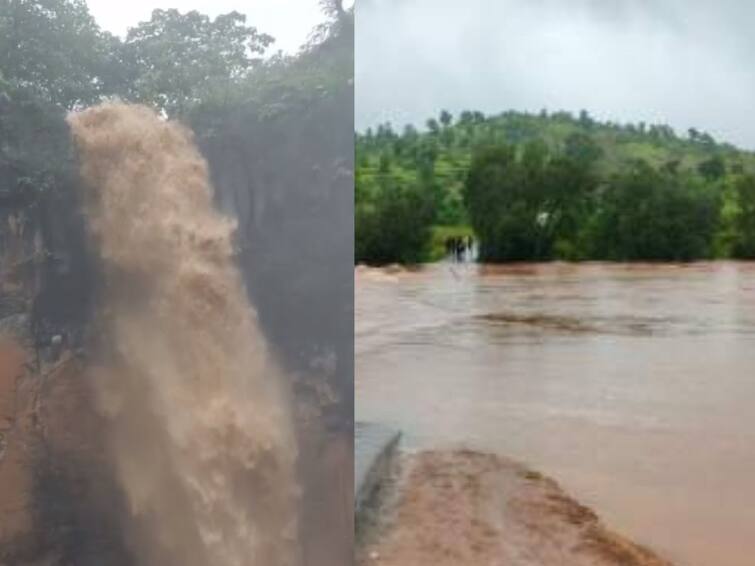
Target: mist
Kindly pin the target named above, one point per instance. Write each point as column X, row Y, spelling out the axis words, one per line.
column 683, row 63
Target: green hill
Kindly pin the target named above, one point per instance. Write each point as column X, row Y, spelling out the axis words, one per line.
column 436, row 163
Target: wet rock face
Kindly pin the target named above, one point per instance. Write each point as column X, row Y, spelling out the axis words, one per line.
column 58, row 504
column 56, row 498
column 289, row 181
column 46, row 270
column 77, row 504
column 20, row 247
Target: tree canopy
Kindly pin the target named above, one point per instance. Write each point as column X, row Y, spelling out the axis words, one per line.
column 553, row 185
column 54, row 58
column 178, row 59
column 56, row 49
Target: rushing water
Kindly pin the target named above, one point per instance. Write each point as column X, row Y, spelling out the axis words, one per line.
column 200, row 427
column 632, row 385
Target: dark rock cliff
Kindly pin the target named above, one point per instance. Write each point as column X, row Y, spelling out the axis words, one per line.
column 57, row 499
column 289, row 181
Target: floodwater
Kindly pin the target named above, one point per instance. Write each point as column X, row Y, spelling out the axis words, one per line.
column 631, row 385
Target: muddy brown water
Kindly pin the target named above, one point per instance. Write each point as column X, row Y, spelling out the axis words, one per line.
column 198, row 416
column 632, row 385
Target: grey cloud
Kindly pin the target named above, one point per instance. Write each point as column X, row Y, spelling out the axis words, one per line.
column 683, row 62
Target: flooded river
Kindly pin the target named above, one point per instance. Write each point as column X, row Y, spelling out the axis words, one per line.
column 632, row 385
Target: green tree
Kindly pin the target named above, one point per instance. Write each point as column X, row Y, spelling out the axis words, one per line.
column 712, row 168
column 521, row 205
column 55, row 49
column 501, row 211
column 445, row 118
column 582, row 148
column 392, row 222
column 585, row 120
column 646, row 214
column 180, row 59
column 35, row 145
column 744, row 242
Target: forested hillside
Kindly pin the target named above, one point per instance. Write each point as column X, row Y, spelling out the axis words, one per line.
column 551, row 186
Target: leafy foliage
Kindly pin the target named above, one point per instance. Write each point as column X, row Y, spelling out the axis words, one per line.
column 552, row 185
column 394, row 224
column 744, row 219
column 35, row 152
column 179, row 59
column 55, row 49
column 522, row 203
column 646, row 214
column 175, row 61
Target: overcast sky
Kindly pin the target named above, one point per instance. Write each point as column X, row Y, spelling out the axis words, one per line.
column 288, row 21
column 689, row 63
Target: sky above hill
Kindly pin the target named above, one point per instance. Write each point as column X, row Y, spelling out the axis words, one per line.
column 687, row 63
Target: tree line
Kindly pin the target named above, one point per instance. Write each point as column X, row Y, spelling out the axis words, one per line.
column 538, row 187
column 56, row 51
column 54, row 58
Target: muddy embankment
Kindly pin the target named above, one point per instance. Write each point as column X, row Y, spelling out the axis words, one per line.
column 465, row 507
